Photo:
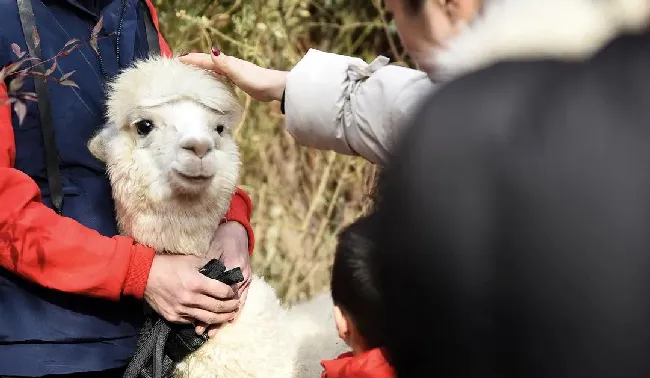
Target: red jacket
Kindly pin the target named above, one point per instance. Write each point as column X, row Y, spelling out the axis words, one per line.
column 370, row 364
column 77, row 259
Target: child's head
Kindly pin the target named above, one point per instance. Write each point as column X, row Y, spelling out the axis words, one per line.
column 357, row 302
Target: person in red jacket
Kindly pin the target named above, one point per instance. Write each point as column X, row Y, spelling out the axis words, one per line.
column 357, row 307
column 67, row 280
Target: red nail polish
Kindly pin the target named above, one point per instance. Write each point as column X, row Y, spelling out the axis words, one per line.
column 216, row 51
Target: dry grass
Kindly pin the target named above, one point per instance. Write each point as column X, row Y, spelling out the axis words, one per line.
column 302, row 197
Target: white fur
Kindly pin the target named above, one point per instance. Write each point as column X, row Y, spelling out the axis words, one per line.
column 523, row 29
column 154, row 204
column 158, row 208
column 269, row 341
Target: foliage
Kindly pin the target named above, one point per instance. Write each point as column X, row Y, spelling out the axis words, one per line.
column 16, row 72
column 301, row 197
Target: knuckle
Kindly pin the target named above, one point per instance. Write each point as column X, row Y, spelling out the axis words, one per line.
column 193, row 285
column 185, row 298
column 178, row 309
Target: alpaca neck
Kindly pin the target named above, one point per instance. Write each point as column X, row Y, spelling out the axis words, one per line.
column 173, row 226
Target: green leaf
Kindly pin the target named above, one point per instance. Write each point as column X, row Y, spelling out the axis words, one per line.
column 67, row 75
column 69, row 83
column 21, row 111
column 70, row 42
column 98, row 27
column 16, row 83
column 49, row 72
column 17, row 51
column 94, row 33
column 13, row 67
column 35, row 37
column 93, row 44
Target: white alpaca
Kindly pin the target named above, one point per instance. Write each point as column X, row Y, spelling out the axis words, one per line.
column 173, row 166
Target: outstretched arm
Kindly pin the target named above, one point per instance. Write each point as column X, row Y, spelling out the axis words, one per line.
column 333, row 102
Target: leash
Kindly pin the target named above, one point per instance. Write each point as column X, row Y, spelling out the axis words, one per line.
column 161, row 344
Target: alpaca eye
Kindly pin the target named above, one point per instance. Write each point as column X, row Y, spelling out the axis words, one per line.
column 144, row 126
column 220, row 129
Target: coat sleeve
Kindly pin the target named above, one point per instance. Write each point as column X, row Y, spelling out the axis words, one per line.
column 54, row 251
column 241, row 205
column 340, row 103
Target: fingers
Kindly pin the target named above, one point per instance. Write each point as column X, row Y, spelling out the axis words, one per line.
column 221, row 64
column 211, row 330
column 208, row 317
column 218, row 307
column 232, row 67
column 198, row 59
column 214, row 289
column 200, row 328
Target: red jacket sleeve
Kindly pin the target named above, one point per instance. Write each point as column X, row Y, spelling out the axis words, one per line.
column 55, row 251
column 241, row 205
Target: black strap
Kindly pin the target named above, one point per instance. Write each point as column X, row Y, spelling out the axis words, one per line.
column 162, row 344
column 28, row 21
column 152, row 34
column 44, row 107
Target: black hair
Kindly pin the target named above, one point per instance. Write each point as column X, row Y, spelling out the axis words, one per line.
column 354, row 288
column 414, row 5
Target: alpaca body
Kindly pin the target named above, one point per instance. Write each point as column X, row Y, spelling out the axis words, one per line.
column 268, row 340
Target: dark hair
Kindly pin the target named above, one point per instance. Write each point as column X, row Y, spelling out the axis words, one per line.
column 414, row 5
column 354, row 288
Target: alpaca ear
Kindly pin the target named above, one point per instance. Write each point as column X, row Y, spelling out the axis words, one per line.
column 99, row 143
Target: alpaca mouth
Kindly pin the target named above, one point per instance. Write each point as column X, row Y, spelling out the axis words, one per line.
column 195, row 179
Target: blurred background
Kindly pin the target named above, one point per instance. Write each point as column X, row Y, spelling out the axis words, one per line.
column 301, row 197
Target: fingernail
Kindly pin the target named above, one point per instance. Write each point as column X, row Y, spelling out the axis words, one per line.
column 183, row 54
column 216, row 51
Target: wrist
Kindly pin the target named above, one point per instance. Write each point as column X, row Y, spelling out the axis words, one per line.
column 278, row 83
column 236, row 231
column 137, row 276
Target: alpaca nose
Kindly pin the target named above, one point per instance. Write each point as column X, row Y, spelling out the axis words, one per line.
column 199, row 146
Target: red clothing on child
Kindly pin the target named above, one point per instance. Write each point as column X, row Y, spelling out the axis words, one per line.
column 370, row 364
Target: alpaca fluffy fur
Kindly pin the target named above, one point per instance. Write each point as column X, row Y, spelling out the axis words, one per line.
column 268, row 340
column 532, row 29
column 175, row 97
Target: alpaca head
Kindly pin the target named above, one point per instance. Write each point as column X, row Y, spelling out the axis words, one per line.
column 169, row 132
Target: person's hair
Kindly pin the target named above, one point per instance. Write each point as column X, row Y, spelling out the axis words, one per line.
column 354, row 288
column 414, row 5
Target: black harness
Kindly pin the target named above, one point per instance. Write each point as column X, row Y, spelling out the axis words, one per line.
column 162, row 344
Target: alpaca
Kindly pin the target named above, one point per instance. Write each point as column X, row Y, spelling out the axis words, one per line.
column 173, row 167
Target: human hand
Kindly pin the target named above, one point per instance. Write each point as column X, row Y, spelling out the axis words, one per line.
column 180, row 294
column 230, row 246
column 260, row 83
